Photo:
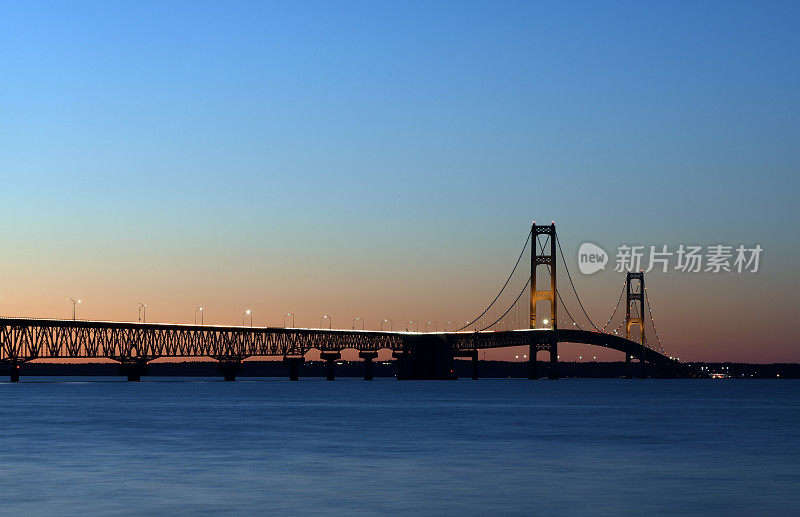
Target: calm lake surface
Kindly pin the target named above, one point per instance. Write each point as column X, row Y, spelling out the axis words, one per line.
column 205, row 447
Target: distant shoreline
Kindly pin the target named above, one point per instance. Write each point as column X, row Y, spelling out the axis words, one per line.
column 463, row 369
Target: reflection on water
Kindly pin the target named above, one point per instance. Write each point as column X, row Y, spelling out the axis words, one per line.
column 503, row 446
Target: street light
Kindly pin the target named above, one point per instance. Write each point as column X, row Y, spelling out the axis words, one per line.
column 415, row 323
column 284, row 319
column 200, row 310
column 435, row 326
column 446, row 325
column 390, row 322
column 362, row 322
column 326, row 317
column 143, row 312
column 248, row 312
column 74, row 303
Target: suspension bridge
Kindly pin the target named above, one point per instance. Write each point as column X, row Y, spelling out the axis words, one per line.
column 539, row 321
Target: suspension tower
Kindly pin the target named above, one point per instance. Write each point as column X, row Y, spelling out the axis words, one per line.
column 634, row 287
column 541, row 236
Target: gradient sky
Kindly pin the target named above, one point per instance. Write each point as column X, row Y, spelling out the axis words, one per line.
column 382, row 159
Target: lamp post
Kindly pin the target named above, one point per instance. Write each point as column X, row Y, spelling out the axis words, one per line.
column 447, row 325
column 362, row 322
column 391, row 324
column 74, row 303
column 435, row 326
column 416, row 325
column 284, row 319
column 248, row 312
column 143, row 312
column 200, row 310
column 326, row 317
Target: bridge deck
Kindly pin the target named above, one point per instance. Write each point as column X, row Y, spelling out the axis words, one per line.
column 25, row 339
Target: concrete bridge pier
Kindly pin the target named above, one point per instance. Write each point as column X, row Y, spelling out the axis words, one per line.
column 12, row 369
column 330, row 359
column 401, row 360
column 473, row 355
column 642, row 365
column 425, row 357
column 133, row 370
column 552, row 373
column 294, row 363
column 229, row 368
column 533, row 367
column 368, row 357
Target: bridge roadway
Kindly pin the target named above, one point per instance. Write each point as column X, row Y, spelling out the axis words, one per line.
column 133, row 345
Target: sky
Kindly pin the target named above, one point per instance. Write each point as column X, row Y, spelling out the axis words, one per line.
column 386, row 159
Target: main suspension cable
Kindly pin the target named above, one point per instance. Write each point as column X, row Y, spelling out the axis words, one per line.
column 479, row 316
column 622, row 291
column 653, row 321
column 510, row 307
column 573, row 285
column 575, row 323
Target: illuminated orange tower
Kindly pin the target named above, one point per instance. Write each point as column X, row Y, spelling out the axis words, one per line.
column 542, row 238
column 634, row 287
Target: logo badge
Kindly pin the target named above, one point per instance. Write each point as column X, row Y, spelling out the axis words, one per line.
column 591, row 258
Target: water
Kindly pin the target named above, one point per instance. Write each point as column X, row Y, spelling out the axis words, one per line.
column 206, row 447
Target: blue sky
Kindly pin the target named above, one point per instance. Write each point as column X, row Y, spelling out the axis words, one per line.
column 152, row 148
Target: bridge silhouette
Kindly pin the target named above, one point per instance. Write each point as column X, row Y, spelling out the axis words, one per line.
column 419, row 355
